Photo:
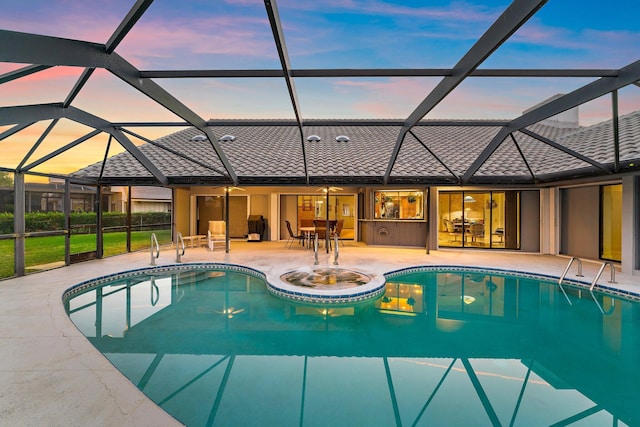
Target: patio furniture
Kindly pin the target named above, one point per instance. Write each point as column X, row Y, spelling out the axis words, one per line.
column 195, row 241
column 452, row 230
column 292, row 236
column 217, row 234
column 322, row 235
column 477, row 231
column 307, row 232
column 337, row 230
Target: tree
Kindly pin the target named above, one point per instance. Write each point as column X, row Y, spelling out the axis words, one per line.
column 6, row 180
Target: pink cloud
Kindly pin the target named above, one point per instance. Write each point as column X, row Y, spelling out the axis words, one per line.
column 188, row 39
column 455, row 12
column 50, row 85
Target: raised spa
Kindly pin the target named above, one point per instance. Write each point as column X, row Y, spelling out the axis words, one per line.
column 327, row 285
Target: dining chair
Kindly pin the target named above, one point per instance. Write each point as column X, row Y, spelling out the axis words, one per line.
column 477, row 232
column 452, row 230
column 337, row 230
column 293, row 236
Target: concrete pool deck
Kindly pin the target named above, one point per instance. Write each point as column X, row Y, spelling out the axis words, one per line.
column 51, row 375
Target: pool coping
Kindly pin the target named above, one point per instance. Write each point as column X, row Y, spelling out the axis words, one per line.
column 373, row 289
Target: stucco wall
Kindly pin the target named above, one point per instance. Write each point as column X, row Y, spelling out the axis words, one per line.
column 580, row 222
column 181, row 210
column 530, row 221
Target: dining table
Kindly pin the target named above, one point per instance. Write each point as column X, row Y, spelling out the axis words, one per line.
column 308, row 232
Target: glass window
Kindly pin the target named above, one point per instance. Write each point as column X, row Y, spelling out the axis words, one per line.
column 401, row 204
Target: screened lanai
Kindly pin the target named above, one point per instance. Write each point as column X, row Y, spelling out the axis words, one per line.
column 101, row 98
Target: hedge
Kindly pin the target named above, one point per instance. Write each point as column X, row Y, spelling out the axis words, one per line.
column 51, row 221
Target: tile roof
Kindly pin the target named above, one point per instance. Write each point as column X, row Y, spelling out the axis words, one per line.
column 430, row 153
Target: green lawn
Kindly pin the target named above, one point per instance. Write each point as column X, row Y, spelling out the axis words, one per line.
column 41, row 251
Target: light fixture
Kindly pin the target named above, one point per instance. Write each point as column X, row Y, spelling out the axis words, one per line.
column 227, row 138
column 342, row 138
column 469, row 199
column 313, row 138
column 198, row 138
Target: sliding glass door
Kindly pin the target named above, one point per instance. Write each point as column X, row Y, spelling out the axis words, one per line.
column 479, row 219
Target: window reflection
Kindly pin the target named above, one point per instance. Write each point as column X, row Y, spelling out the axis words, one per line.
column 401, row 298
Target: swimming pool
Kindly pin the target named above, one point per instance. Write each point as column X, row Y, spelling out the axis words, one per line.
column 212, row 346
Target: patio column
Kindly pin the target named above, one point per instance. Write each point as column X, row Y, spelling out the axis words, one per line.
column 99, row 224
column 66, row 210
column 549, row 214
column 18, row 223
column 630, row 228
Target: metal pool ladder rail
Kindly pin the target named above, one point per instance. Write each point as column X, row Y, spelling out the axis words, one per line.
column 566, row 270
column 602, row 267
column 613, row 280
column 179, row 245
column 156, row 246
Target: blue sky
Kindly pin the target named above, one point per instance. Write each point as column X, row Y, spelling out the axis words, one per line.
column 328, row 34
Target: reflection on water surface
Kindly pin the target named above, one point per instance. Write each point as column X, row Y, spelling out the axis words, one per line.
column 438, row 348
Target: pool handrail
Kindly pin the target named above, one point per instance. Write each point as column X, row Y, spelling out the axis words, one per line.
column 566, row 270
column 179, row 244
column 602, row 267
column 315, row 249
column 154, row 245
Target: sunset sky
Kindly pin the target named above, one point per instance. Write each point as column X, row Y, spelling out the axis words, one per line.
column 210, row 34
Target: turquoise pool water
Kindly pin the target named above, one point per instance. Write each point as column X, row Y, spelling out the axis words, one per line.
column 448, row 347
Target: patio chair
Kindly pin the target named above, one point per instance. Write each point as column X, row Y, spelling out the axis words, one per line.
column 217, row 234
column 322, row 235
column 337, row 230
column 292, row 236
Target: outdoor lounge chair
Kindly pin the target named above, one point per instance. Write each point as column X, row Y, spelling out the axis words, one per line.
column 217, row 234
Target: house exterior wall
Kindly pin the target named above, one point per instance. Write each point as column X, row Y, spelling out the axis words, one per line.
column 580, row 222
column 530, row 221
column 181, row 210
column 631, row 224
